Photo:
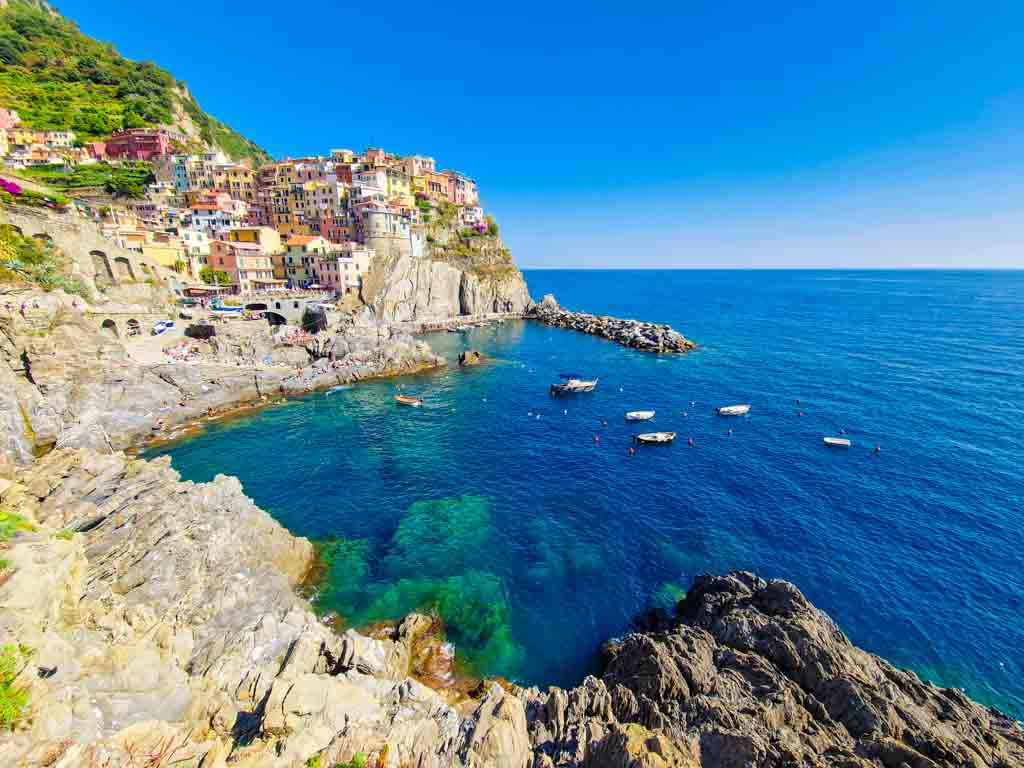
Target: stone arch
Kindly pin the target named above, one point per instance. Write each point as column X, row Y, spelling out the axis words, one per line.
column 109, row 327
column 17, row 230
column 43, row 237
column 123, row 267
column 275, row 318
column 101, row 266
column 256, row 306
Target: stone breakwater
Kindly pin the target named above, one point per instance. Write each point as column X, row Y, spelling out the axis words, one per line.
column 648, row 337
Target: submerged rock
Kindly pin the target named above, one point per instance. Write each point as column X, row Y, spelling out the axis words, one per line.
column 471, row 357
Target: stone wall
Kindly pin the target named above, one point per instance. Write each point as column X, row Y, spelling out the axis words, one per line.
column 95, row 260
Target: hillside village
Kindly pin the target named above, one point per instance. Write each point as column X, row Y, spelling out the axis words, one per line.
column 228, row 228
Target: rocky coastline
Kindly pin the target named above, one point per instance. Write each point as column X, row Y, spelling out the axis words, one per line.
column 636, row 334
column 162, row 623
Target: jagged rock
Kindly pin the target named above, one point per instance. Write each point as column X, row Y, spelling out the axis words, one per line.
column 751, row 674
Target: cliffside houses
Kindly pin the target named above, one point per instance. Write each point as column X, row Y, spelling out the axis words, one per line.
column 209, row 218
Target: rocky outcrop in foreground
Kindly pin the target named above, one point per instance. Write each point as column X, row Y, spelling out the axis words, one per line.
column 749, row 673
column 160, row 626
column 649, row 337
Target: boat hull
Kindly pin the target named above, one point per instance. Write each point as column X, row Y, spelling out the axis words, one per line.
column 733, row 410
column 837, row 442
column 654, row 438
column 639, row 415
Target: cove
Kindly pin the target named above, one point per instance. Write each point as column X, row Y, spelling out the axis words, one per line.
column 494, row 503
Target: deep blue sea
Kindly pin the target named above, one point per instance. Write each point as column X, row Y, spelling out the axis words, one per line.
column 496, row 505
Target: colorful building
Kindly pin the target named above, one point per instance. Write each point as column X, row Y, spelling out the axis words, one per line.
column 461, row 189
column 137, row 144
column 248, row 267
column 299, row 258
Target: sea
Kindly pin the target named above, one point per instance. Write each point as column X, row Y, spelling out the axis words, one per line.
column 528, row 523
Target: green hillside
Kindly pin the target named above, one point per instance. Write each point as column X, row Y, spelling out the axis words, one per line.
column 60, row 79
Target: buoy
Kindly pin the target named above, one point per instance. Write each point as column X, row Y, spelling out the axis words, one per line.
column 538, row 416
column 842, row 431
column 632, row 450
column 530, row 413
column 689, row 442
column 878, row 448
column 597, row 439
column 693, row 403
column 798, row 401
column 730, row 430
column 799, row 413
column 565, row 411
column 604, row 423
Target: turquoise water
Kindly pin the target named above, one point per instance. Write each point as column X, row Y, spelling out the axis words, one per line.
column 537, row 542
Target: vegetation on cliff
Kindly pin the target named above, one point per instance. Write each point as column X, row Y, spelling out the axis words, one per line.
column 122, row 180
column 28, row 260
column 59, row 79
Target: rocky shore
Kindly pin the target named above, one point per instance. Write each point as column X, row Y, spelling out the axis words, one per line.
column 159, row 624
column 64, row 383
column 649, row 337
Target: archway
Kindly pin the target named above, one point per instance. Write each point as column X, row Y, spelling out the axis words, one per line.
column 256, row 306
column 101, row 268
column 42, row 236
column 17, row 229
column 123, row 268
column 109, row 327
column 273, row 318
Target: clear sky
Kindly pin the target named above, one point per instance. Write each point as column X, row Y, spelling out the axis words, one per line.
column 661, row 134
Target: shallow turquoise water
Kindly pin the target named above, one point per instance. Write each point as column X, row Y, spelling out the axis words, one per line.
column 537, row 542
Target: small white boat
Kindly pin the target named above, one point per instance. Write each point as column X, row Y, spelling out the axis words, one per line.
column 415, row 402
column 733, row 410
column 572, row 385
column 837, row 442
column 655, row 437
column 639, row 415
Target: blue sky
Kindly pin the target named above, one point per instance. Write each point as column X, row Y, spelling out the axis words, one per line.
column 675, row 134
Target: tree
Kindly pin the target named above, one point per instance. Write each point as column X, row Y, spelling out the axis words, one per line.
column 214, row 276
column 492, row 226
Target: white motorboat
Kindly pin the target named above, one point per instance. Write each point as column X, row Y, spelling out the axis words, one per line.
column 572, row 384
column 733, row 410
column 655, row 437
column 837, row 442
column 639, row 415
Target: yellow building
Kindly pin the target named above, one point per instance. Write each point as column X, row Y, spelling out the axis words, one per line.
column 172, row 255
column 267, row 238
column 399, row 187
column 237, row 180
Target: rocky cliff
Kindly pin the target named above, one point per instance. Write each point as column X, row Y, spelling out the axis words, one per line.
column 457, row 273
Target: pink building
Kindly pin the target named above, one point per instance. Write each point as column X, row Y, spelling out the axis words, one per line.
column 249, row 268
column 8, row 119
column 375, row 156
column 138, row 144
column 461, row 189
column 417, row 165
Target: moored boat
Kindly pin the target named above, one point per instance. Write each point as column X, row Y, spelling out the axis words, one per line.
column 639, row 415
column 837, row 442
column 573, row 384
column 733, row 410
column 415, row 402
column 654, row 437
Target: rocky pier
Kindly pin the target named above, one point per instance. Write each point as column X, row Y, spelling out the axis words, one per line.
column 636, row 334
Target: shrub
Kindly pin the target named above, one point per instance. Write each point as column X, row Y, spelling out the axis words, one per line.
column 4, row 564
column 12, row 699
column 358, row 761
column 64, row 535
column 11, row 523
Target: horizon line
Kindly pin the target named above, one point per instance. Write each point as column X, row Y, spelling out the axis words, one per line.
column 773, row 269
